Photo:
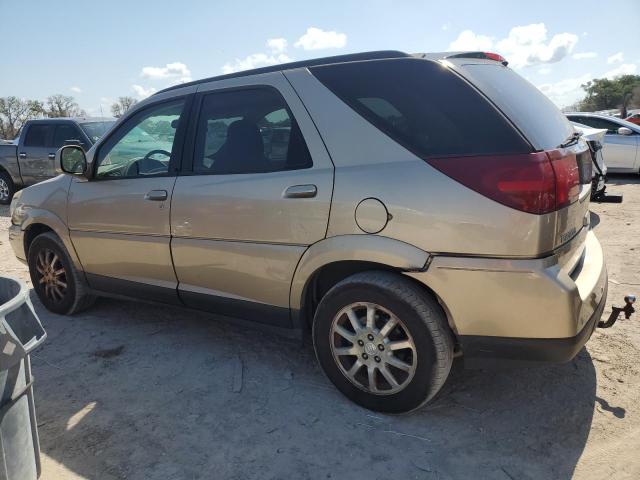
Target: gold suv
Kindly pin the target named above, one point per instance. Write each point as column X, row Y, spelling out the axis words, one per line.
column 403, row 208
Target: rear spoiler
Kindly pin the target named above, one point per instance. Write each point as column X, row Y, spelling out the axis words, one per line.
column 480, row 55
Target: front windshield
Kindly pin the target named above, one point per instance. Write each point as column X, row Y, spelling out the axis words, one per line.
column 95, row 130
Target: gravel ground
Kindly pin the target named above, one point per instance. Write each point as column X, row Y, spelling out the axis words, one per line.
column 137, row 391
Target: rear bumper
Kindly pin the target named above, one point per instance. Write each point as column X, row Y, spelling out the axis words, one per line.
column 530, row 310
column 482, row 352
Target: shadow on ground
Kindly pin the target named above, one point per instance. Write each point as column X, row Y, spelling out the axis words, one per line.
column 138, row 391
column 622, row 179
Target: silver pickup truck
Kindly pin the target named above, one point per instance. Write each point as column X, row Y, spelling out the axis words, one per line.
column 30, row 158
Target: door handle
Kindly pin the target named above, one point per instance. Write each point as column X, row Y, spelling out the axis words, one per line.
column 52, row 156
column 156, row 195
column 22, row 155
column 301, row 191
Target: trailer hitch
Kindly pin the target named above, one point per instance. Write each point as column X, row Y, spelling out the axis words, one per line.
column 628, row 309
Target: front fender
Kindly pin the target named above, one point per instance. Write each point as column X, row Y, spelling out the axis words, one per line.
column 366, row 248
column 36, row 216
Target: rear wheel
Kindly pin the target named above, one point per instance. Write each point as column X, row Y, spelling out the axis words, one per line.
column 7, row 188
column 383, row 341
column 57, row 282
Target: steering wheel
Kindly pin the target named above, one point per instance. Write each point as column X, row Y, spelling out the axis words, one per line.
column 152, row 165
column 153, row 152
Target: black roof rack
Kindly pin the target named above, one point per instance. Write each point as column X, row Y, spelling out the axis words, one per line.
column 352, row 57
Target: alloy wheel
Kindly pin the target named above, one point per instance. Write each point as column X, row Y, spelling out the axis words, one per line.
column 51, row 274
column 373, row 348
column 4, row 190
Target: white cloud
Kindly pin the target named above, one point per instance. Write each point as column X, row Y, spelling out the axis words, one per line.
column 544, row 71
column 318, row 39
column 624, row 69
column 143, row 92
column 467, row 40
column 277, row 45
column 565, row 92
column 525, row 45
column 175, row 71
column 616, row 58
column 255, row 60
column 583, row 55
column 76, row 89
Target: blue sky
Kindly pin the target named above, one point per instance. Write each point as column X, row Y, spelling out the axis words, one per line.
column 97, row 51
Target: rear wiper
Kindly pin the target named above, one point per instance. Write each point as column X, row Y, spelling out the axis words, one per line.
column 573, row 138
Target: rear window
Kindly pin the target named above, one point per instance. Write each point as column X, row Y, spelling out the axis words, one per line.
column 528, row 108
column 423, row 106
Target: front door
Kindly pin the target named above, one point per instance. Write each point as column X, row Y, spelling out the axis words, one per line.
column 256, row 196
column 63, row 133
column 119, row 220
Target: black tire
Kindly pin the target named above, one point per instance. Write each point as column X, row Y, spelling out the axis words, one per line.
column 7, row 188
column 75, row 297
column 422, row 316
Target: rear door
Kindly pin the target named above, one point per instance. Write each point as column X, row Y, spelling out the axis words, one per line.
column 34, row 153
column 255, row 195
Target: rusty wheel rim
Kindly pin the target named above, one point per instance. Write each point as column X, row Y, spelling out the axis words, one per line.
column 52, row 276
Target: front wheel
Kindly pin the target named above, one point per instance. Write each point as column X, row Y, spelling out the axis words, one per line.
column 57, row 282
column 383, row 342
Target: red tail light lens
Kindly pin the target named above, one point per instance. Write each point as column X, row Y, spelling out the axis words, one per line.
column 496, row 57
column 538, row 183
column 565, row 167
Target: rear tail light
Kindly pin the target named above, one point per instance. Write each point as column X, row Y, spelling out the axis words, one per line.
column 496, row 57
column 538, row 183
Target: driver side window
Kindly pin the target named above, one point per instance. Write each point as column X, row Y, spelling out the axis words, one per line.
column 143, row 145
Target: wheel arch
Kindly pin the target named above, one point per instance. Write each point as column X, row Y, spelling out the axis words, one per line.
column 41, row 221
column 331, row 260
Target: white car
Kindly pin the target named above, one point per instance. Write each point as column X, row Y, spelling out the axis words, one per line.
column 621, row 143
column 595, row 137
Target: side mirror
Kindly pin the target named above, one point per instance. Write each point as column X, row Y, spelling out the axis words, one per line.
column 71, row 159
column 624, row 131
column 73, row 142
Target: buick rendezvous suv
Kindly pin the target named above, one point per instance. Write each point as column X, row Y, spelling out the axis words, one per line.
column 405, row 209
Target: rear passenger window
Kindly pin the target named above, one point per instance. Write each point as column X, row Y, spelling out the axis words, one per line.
column 423, row 106
column 36, row 136
column 248, row 131
column 64, row 133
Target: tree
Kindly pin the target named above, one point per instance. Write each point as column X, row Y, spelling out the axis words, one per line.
column 62, row 106
column 14, row 112
column 122, row 105
column 604, row 94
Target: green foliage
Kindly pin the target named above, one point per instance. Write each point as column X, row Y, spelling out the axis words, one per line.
column 604, row 94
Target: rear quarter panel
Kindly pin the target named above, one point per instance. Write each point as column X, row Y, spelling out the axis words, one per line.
column 428, row 209
column 9, row 162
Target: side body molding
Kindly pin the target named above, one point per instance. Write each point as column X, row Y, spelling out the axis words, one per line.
column 366, row 248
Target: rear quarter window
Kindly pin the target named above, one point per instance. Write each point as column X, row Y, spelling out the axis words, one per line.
column 424, row 106
column 537, row 117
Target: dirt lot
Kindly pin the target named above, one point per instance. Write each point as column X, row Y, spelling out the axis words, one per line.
column 136, row 391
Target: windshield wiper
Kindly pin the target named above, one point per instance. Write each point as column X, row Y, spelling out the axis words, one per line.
column 573, row 138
